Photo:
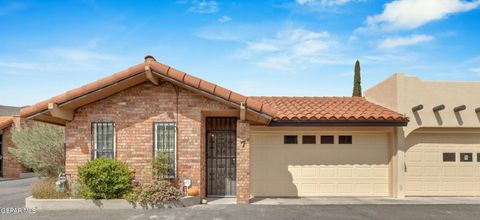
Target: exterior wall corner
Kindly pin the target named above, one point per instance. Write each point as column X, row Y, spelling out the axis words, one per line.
column 243, row 162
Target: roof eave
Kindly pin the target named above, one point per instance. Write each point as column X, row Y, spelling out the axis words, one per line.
column 338, row 123
column 268, row 118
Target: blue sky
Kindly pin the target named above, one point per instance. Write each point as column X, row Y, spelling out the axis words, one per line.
column 271, row 47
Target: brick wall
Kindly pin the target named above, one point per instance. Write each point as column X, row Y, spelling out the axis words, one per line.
column 12, row 168
column 243, row 162
column 134, row 111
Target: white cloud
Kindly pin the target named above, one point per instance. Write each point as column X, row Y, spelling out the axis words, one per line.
column 293, row 49
column 393, row 42
column 77, row 54
column 324, row 3
column 224, row 19
column 204, row 6
column 476, row 70
column 411, row 14
column 18, row 65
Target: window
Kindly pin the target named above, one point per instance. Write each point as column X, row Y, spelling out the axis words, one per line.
column 448, row 157
column 345, row 139
column 290, row 139
column 309, row 139
column 466, row 157
column 327, row 139
column 478, row 157
column 165, row 143
column 103, row 140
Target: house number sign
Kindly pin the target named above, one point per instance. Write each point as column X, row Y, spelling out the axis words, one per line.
column 187, row 182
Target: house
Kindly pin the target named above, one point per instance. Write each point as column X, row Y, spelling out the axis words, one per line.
column 438, row 153
column 10, row 167
column 231, row 145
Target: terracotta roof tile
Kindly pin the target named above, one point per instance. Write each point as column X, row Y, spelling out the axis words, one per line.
column 327, row 108
column 5, row 121
column 43, row 105
column 280, row 108
column 158, row 68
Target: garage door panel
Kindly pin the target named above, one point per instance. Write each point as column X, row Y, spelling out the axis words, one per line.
column 428, row 175
column 320, row 170
column 449, row 186
column 449, row 171
column 363, row 172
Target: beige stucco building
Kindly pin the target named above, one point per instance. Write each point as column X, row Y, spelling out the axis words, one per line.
column 438, row 152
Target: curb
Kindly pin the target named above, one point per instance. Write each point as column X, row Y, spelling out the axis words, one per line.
column 102, row 204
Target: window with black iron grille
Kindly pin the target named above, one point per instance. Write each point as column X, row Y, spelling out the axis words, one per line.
column 326, row 139
column 345, row 139
column 103, row 140
column 165, row 143
column 290, row 139
column 309, row 139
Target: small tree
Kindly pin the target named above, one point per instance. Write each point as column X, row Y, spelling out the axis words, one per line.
column 41, row 148
column 357, row 87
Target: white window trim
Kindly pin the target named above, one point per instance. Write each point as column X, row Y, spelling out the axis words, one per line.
column 155, row 144
column 95, row 124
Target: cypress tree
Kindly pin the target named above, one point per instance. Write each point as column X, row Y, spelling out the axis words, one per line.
column 357, row 87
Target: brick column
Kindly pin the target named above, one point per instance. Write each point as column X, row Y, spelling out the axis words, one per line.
column 243, row 162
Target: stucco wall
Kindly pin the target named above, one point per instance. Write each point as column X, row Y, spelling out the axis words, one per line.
column 410, row 91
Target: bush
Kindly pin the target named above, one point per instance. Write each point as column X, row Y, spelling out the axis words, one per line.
column 45, row 189
column 105, row 178
column 160, row 165
column 155, row 194
column 40, row 148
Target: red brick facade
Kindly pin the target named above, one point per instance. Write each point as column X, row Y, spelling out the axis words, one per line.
column 243, row 162
column 12, row 168
column 134, row 111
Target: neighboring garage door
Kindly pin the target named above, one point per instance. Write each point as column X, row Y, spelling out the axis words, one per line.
column 357, row 169
column 443, row 165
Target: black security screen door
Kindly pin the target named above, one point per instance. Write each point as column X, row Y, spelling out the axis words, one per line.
column 221, row 157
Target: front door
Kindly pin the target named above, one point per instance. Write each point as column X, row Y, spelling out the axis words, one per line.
column 221, row 156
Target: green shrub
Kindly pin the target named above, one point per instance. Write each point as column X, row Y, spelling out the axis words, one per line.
column 105, row 178
column 160, row 165
column 45, row 189
column 155, row 194
column 41, row 148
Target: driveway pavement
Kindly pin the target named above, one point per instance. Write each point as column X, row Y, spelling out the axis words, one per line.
column 13, row 194
column 273, row 212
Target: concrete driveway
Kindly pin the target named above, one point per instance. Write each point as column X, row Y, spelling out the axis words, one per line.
column 273, row 212
column 13, row 194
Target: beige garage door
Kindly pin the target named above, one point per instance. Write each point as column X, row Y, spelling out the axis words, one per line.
column 429, row 175
column 358, row 169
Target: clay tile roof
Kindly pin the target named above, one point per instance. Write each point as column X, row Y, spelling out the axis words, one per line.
column 159, row 68
column 327, row 108
column 278, row 108
column 91, row 87
column 5, row 121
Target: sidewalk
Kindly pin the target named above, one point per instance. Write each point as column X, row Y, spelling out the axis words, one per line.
column 366, row 201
